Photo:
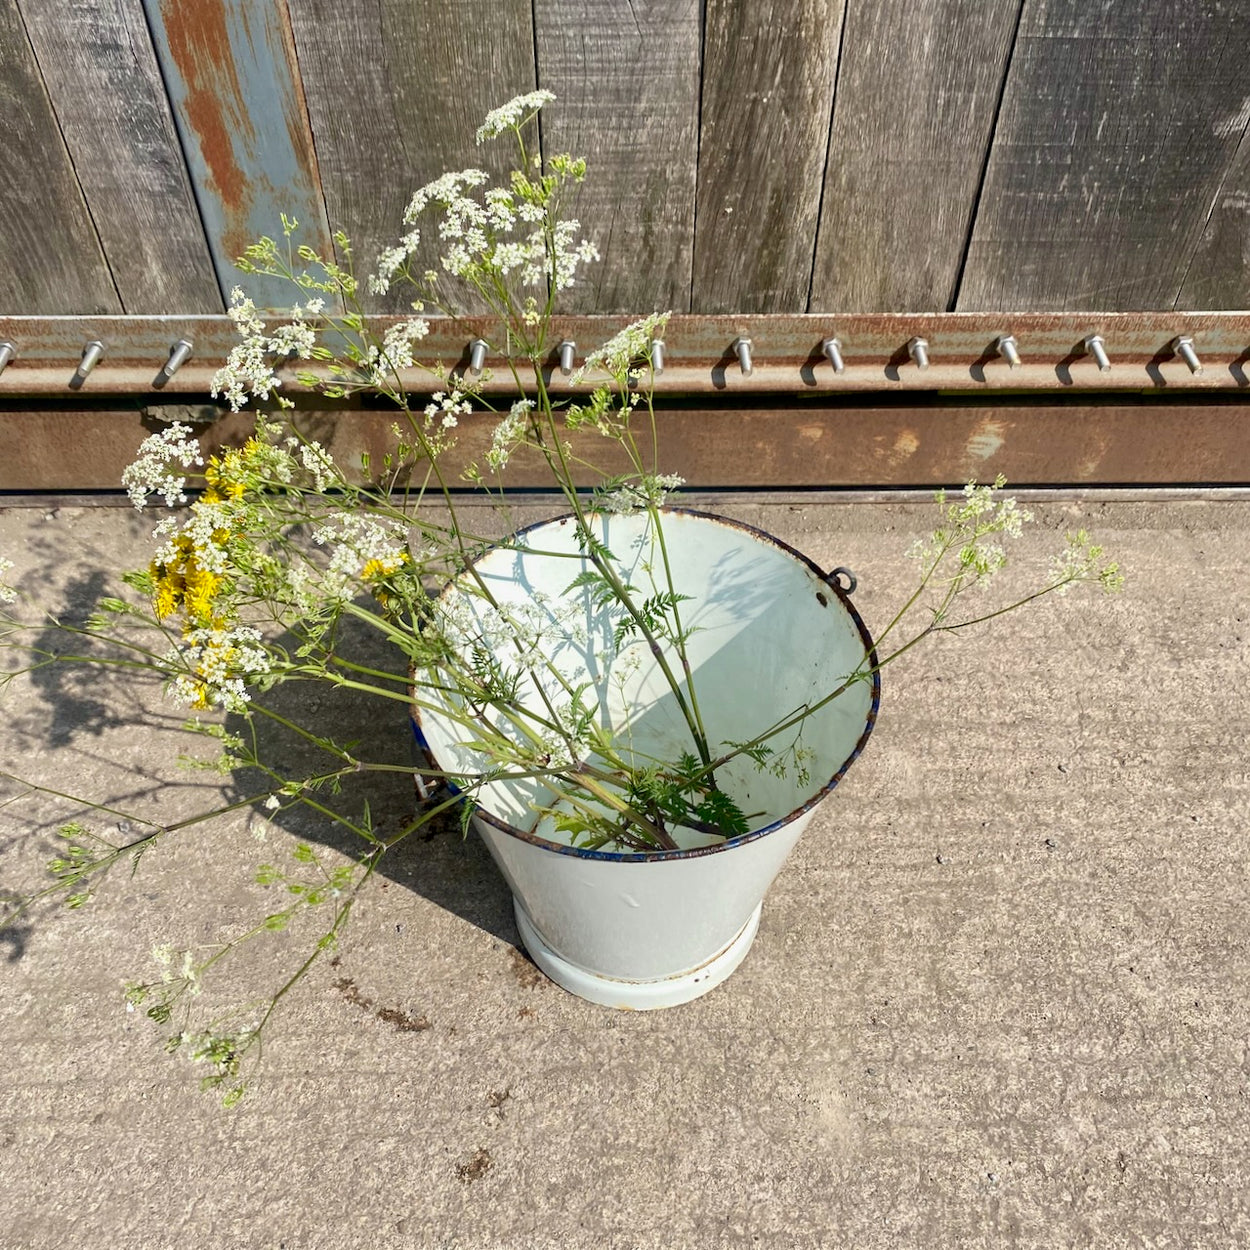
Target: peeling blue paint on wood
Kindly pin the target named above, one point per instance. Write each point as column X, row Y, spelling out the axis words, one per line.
column 234, row 86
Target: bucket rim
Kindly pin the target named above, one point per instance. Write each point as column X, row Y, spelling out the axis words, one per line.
column 654, row 857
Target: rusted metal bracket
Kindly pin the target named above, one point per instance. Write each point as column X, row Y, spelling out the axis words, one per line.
column 700, row 355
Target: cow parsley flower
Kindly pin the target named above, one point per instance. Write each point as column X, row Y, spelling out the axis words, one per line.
column 511, row 115
column 508, row 433
column 447, row 190
column 391, row 260
column 968, row 522
column 152, row 473
column 443, row 410
column 568, row 253
column 649, row 491
column 320, row 466
column 1081, row 560
column 399, row 338
column 216, row 663
column 626, row 347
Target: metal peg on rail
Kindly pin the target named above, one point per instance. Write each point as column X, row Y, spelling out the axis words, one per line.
column 742, row 349
column 7, row 352
column 657, row 355
column 918, row 350
column 567, row 348
column 1183, row 346
column 91, row 354
column 1098, row 349
column 832, row 350
column 179, row 354
column 477, row 355
column 1007, row 347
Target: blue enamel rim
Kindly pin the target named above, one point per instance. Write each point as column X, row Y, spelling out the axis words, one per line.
column 648, row 857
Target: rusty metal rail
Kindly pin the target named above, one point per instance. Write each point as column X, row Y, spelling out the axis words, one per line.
column 812, row 354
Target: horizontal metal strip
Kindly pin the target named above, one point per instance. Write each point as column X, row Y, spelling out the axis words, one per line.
column 701, row 355
column 729, row 498
column 788, row 447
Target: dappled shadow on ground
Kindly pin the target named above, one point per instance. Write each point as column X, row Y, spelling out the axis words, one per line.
column 437, row 861
column 108, row 735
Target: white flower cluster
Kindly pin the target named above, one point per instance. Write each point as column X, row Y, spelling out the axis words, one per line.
column 151, row 472
column 398, row 340
column 508, row 433
column 448, row 189
column 969, row 523
column 1081, row 560
column 519, row 635
column 626, row 347
column 7, row 593
column 319, row 465
column 447, row 409
column 353, row 540
column 217, row 663
column 475, row 232
column 567, row 253
column 207, row 528
column 248, row 371
column 510, row 115
column 980, row 500
column 653, row 490
column 187, row 971
column 391, row 260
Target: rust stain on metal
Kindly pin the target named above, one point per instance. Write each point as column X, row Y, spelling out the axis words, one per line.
column 49, row 347
column 199, row 42
column 905, row 445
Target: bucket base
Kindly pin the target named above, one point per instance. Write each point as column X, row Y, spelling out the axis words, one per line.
column 636, row 995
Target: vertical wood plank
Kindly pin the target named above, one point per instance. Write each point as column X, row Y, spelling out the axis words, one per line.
column 50, row 257
column 1219, row 273
column 768, row 75
column 626, row 78
column 230, row 69
column 101, row 73
column 918, row 89
column 1109, row 151
column 396, row 90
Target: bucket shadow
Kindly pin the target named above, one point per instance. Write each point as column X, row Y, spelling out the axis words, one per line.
column 436, row 861
column 93, row 718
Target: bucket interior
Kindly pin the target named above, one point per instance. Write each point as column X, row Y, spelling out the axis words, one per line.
column 766, row 637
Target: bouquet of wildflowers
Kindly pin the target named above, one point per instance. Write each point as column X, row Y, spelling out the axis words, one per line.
column 270, row 554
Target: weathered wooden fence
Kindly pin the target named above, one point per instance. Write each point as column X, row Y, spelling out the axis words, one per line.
column 750, row 156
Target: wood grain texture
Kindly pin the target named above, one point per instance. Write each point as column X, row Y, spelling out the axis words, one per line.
column 102, row 76
column 1219, row 273
column 768, row 76
column 396, row 90
column 233, row 83
column 918, row 89
column 1112, row 143
column 626, row 78
column 50, row 256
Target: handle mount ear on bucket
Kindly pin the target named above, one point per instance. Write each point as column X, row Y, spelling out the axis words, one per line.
column 835, row 578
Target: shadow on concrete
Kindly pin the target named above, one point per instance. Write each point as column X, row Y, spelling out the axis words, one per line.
column 119, row 738
column 437, row 861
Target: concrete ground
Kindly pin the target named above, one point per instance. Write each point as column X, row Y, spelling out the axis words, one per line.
column 998, row 996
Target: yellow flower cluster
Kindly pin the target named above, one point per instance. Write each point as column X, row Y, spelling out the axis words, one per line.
column 225, row 474
column 184, row 584
column 375, row 573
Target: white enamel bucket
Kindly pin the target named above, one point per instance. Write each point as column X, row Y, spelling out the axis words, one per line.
column 770, row 634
